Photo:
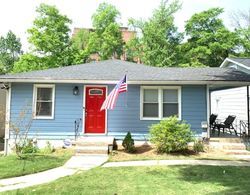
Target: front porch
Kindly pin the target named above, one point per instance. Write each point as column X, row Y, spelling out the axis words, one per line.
column 231, row 119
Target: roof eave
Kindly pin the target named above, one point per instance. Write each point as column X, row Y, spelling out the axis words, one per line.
column 191, row 82
column 227, row 60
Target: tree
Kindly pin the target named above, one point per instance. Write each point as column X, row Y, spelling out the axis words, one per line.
column 158, row 44
column 209, row 41
column 80, row 43
column 241, row 22
column 106, row 40
column 10, row 49
column 49, row 37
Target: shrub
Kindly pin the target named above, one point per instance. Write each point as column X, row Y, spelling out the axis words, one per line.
column 170, row 135
column 48, row 149
column 28, row 147
column 128, row 143
column 198, row 146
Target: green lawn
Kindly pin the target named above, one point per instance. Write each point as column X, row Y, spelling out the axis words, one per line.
column 150, row 180
column 11, row 166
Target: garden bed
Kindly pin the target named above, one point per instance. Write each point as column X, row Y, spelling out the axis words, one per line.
column 148, row 152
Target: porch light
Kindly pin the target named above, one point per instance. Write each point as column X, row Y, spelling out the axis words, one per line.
column 76, row 91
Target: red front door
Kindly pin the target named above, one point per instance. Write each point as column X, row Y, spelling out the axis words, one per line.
column 94, row 118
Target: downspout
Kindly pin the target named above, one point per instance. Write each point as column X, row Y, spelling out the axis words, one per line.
column 208, row 98
column 7, row 120
column 248, row 109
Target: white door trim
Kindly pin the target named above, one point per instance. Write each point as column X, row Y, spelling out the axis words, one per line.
column 84, row 107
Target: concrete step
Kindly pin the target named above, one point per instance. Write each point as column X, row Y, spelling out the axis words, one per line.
column 242, row 157
column 233, row 146
column 225, row 140
column 237, row 152
column 97, row 139
column 82, row 143
column 91, row 149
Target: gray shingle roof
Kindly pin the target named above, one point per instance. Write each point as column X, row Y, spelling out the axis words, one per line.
column 112, row 70
column 244, row 61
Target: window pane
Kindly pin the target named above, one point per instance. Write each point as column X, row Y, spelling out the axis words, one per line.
column 43, row 108
column 150, row 110
column 95, row 92
column 170, row 110
column 170, row 95
column 44, row 94
column 150, row 95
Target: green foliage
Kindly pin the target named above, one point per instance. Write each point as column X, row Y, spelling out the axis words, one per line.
column 80, row 39
column 106, row 40
column 48, row 149
column 50, row 31
column 128, row 143
column 209, row 42
column 241, row 21
column 49, row 37
column 28, row 62
column 10, row 49
column 158, row 45
column 170, row 135
column 198, row 146
column 27, row 147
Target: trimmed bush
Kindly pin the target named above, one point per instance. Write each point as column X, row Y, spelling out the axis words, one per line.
column 171, row 135
column 198, row 146
column 128, row 143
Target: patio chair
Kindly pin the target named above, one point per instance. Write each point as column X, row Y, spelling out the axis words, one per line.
column 212, row 120
column 227, row 124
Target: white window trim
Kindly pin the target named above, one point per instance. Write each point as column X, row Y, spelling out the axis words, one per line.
column 35, row 86
column 160, row 101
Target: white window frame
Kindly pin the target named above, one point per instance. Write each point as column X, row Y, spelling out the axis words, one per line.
column 160, row 101
column 35, row 87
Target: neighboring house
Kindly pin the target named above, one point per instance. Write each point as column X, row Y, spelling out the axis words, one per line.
column 233, row 101
column 127, row 35
column 55, row 98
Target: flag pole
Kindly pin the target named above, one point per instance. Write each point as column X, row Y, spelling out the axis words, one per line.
column 126, row 72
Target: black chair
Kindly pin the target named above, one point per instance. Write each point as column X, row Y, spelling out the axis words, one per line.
column 227, row 124
column 212, row 120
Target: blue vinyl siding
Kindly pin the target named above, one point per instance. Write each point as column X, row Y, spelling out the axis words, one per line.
column 125, row 117
column 67, row 109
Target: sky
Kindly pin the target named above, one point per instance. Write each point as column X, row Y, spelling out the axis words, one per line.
column 17, row 15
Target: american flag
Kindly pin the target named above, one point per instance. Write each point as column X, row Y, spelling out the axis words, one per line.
column 110, row 101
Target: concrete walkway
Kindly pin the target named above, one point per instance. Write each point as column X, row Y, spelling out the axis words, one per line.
column 73, row 165
column 176, row 162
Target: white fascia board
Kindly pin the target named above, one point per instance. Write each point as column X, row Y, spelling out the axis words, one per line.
column 240, row 83
column 225, row 63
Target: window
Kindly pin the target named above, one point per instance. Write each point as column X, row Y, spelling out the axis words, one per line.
column 170, row 102
column 150, row 103
column 95, row 92
column 160, row 102
column 43, row 101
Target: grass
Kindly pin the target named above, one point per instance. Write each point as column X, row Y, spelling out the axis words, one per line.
column 150, row 180
column 11, row 166
column 147, row 152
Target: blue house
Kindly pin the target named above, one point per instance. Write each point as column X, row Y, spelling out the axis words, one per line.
column 55, row 98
